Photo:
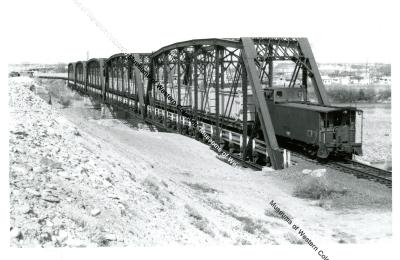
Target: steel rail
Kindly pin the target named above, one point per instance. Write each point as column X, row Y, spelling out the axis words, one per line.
column 360, row 170
column 365, row 171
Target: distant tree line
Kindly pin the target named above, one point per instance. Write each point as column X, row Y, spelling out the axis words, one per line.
column 60, row 68
column 345, row 94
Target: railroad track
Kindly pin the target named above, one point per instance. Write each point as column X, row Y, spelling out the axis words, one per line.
column 365, row 171
column 358, row 169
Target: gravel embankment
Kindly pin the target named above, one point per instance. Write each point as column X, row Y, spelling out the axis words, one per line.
column 65, row 192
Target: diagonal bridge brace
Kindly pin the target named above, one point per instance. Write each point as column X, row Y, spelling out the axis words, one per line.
column 249, row 55
column 312, row 67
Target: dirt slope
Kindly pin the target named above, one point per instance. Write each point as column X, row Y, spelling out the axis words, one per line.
column 76, row 181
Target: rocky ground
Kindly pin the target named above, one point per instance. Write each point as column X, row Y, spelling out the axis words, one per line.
column 78, row 181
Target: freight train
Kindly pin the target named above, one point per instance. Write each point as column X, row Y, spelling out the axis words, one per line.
column 208, row 78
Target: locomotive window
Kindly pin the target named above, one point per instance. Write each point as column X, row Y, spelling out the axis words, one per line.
column 279, row 93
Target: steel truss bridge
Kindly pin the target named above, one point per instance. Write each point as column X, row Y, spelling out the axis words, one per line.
column 220, row 82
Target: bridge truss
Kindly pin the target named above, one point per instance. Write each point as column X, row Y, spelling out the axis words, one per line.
column 220, row 82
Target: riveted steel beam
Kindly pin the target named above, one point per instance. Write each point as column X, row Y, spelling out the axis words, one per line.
column 249, row 55
column 315, row 76
column 214, row 42
column 196, row 86
column 245, row 126
column 139, row 87
column 217, row 87
column 165, row 77
column 102, row 77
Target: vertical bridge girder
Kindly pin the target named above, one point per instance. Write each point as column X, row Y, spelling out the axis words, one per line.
column 139, row 85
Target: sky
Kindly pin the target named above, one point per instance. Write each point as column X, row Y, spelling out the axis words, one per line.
column 48, row 31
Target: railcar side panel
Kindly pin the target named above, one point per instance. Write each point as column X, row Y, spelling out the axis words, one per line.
column 295, row 124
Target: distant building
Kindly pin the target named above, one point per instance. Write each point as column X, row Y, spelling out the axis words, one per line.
column 345, row 80
column 327, row 80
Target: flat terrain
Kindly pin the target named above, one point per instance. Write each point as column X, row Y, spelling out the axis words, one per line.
column 377, row 132
column 81, row 177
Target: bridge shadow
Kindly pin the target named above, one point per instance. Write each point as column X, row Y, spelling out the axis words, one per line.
column 125, row 115
column 60, row 96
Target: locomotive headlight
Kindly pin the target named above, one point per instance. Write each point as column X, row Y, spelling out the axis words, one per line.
column 345, row 112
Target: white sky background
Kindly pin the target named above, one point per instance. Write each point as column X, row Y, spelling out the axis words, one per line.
column 58, row 31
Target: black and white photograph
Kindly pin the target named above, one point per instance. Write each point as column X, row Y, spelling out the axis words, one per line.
column 199, row 129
